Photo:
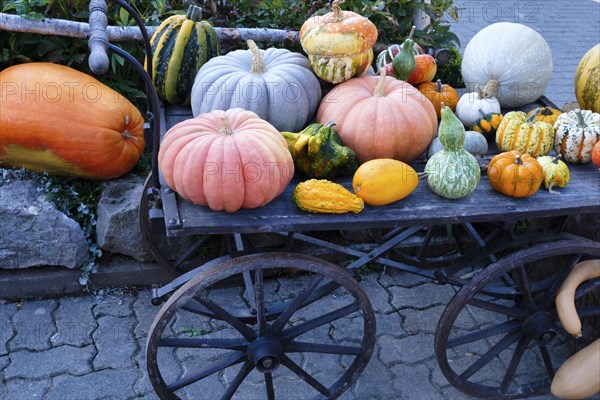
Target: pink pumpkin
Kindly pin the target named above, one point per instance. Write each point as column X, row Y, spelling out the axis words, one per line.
column 380, row 117
column 226, row 160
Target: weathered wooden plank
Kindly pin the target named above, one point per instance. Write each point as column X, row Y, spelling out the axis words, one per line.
column 422, row 207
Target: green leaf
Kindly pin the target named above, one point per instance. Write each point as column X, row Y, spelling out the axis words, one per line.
column 123, row 16
column 35, row 16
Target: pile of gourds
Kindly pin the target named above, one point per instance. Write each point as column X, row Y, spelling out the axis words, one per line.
column 260, row 118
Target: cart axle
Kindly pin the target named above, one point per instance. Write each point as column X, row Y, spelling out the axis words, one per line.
column 265, row 353
column 541, row 327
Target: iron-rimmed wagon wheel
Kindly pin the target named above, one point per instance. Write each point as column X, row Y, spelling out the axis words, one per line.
column 306, row 334
column 500, row 336
column 176, row 255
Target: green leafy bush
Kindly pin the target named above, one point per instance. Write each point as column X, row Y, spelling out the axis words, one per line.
column 393, row 19
column 450, row 72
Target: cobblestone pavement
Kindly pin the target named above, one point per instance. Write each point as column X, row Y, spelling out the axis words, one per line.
column 570, row 28
column 71, row 349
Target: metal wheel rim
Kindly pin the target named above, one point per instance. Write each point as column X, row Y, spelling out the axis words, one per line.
column 238, row 265
column 175, row 266
column 144, row 216
column 468, row 292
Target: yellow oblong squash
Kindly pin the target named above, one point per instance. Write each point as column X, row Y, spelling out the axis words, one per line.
column 383, row 181
column 565, row 298
column 326, row 197
column 579, row 376
column 587, row 77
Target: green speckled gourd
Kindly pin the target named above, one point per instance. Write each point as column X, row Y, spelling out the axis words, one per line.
column 318, row 152
column 404, row 62
column 452, row 173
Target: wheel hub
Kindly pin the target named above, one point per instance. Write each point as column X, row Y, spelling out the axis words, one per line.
column 540, row 326
column 265, row 353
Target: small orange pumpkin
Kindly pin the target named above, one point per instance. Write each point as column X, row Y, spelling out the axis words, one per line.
column 439, row 93
column 596, row 154
column 226, row 160
column 380, row 117
column 514, row 174
column 546, row 114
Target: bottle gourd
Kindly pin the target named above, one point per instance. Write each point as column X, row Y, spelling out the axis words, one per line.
column 404, row 62
column 452, row 173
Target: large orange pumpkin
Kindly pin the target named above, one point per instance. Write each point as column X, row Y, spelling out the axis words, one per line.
column 59, row 120
column 380, row 117
column 226, row 160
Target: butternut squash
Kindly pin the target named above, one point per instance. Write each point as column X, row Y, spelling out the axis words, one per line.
column 565, row 298
column 579, row 376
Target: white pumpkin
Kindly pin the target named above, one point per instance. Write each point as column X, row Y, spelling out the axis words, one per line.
column 575, row 134
column 472, row 105
column 510, row 61
column 277, row 84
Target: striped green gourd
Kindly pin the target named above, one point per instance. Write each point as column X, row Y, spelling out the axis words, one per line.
column 180, row 46
column 452, row 173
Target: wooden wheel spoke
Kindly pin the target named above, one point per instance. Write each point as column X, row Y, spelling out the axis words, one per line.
column 457, row 239
column 588, row 312
column 231, row 359
column 194, row 307
column 249, row 289
column 292, row 308
column 223, row 315
column 269, row 386
column 259, row 293
column 425, row 243
column 495, row 330
column 498, row 308
column 496, row 349
column 309, row 325
column 237, row 381
column 525, row 289
column 305, row 347
column 514, row 363
column 204, row 343
column 547, row 361
column 295, row 368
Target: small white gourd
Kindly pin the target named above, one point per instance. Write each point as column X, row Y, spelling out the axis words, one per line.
column 471, row 106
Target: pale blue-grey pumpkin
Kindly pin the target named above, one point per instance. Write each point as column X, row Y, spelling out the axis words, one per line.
column 453, row 172
column 475, row 143
column 277, row 84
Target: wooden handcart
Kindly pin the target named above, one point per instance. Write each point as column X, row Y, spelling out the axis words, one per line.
column 256, row 321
